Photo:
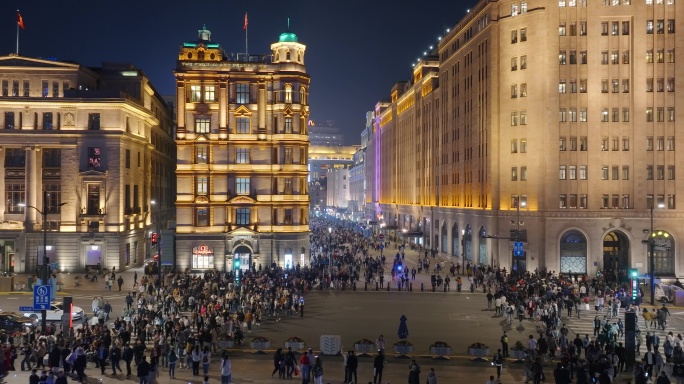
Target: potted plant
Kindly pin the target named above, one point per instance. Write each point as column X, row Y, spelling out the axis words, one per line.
column 441, row 349
column 259, row 343
column 295, row 343
column 479, row 350
column 518, row 352
column 225, row 341
column 402, row 348
column 364, row 347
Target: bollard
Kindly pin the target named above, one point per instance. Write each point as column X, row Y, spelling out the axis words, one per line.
column 410, row 287
column 388, row 286
column 365, row 286
column 422, row 289
column 376, row 286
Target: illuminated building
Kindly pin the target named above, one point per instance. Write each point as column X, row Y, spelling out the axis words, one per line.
column 242, row 156
column 555, row 116
column 325, row 133
column 93, row 146
column 321, row 160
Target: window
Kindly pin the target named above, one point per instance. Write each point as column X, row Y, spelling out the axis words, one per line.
column 195, row 93
column 649, row 143
column 649, row 172
column 583, row 28
column 572, row 115
column 572, row 201
column 615, row 200
column 625, row 201
column 625, row 57
column 514, row 118
column 45, row 88
column 604, row 115
column 625, row 27
column 572, row 30
column 660, row 112
column 649, row 56
column 561, row 86
column 523, row 173
column 514, row 201
column 670, row 143
column 562, row 201
column 27, row 88
column 583, row 201
column 670, row 172
column 670, row 84
column 242, row 156
column 670, row 56
column 583, row 143
column 625, row 143
column 202, row 217
column 615, row 171
column 562, row 115
column 514, row 9
column 614, row 57
column 671, row 201
column 616, row 143
column 514, row 36
column 288, row 125
column 660, row 143
column 561, row 28
column 523, row 31
column 201, row 154
column 582, row 172
column 604, row 172
column 649, row 114
column 562, row 143
column 604, row 86
column 514, row 91
column 53, row 197
column 572, row 172
column 583, row 115
column 561, row 57
column 649, row 84
column 660, row 26
column 604, row 202
column 127, row 158
column 604, row 28
column 523, row 145
column 514, row 173
column 242, row 125
column 573, row 86
column 615, row 85
column 288, row 93
column 15, row 88
column 209, row 93
column 660, row 56
column 523, row 117
column 614, row 28
column 649, row 27
column 625, row 114
column 604, row 143
column 93, row 121
column 288, row 186
column 201, row 185
column 242, row 185
column 670, row 25
column 288, row 155
column 660, row 85
column 52, row 158
column 47, row 121
column 660, row 172
column 670, row 114
column 523, row 90
column 604, row 57
column 514, row 146
column 514, row 64
column 615, row 112
column 15, row 196
column 523, row 8
column 583, row 57
column 242, row 216
column 561, row 173
column 625, row 172
column 202, row 125
column 523, row 62
column 94, row 157
column 242, row 93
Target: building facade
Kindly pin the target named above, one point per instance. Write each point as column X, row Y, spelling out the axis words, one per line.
column 553, row 123
column 321, row 160
column 242, row 156
column 89, row 148
column 325, row 133
column 338, row 189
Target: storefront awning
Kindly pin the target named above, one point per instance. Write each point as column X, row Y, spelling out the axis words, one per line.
column 413, row 234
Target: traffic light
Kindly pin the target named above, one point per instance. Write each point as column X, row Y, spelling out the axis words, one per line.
column 236, row 265
column 153, row 238
column 634, row 278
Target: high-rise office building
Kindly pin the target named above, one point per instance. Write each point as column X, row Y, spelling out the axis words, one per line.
column 548, row 123
column 242, row 156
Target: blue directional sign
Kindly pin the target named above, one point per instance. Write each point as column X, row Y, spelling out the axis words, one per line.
column 26, row 308
column 41, row 297
column 518, row 248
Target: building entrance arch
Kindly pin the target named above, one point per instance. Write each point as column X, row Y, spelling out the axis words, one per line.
column 573, row 252
column 445, row 239
column 468, row 244
column 242, row 254
column 483, row 246
column 615, row 253
column 454, row 240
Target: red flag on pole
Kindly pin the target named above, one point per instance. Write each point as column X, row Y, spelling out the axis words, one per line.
column 20, row 21
column 244, row 28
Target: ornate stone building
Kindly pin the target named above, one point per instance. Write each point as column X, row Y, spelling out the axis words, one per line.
column 242, row 156
column 557, row 118
column 90, row 148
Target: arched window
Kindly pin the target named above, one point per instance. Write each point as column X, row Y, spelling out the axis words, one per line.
column 573, row 252
column 454, row 240
column 483, row 246
column 663, row 252
column 302, row 95
column 288, row 93
column 287, row 56
column 277, row 56
column 299, row 56
column 445, row 239
column 468, row 244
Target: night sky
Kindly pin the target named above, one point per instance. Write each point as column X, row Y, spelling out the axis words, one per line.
column 356, row 50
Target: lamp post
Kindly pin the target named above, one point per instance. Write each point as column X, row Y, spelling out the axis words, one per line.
column 518, row 222
column 159, row 252
column 45, row 270
column 651, row 246
column 329, row 250
column 463, row 245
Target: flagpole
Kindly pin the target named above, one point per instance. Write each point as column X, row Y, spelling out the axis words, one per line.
column 246, row 45
column 17, row 35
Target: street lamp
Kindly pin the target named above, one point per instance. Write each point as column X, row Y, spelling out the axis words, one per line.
column 45, row 270
column 329, row 251
column 651, row 246
column 463, row 245
column 159, row 252
column 518, row 222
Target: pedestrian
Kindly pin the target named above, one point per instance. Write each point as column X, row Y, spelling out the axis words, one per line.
column 504, row 345
column 378, row 365
column 317, row 371
column 115, row 357
column 352, row 366
column 196, row 356
column 498, row 362
column 414, row 373
column 432, row 377
column 143, row 370
column 538, row 371
column 226, row 373
column 120, row 281
column 135, row 278
column 277, row 358
column 304, row 363
column 102, row 354
column 172, row 363
column 127, row 357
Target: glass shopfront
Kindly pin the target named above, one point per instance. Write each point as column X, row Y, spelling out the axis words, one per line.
column 202, row 257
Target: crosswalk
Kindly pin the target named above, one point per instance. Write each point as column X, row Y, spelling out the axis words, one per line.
column 585, row 325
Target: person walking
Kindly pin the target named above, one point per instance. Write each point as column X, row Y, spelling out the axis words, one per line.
column 120, row 282
column 226, row 366
column 352, row 366
column 304, row 363
column 378, row 365
column 317, row 371
column 432, row 377
column 115, row 357
column 277, row 358
column 172, row 363
column 196, row 357
column 414, row 373
column 498, row 362
column 206, row 360
column 143, row 370
column 504, row 345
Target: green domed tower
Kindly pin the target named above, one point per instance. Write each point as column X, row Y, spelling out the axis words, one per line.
column 288, row 49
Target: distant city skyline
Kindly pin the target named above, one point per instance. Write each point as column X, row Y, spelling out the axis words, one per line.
column 354, row 58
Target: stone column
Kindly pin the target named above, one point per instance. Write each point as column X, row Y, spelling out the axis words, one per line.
column 31, row 193
column 180, row 108
column 223, row 104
